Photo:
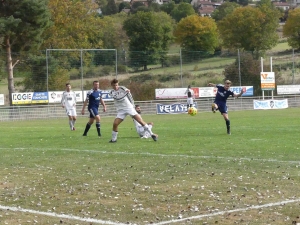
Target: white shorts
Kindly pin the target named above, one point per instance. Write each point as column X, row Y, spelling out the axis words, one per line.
column 122, row 113
column 71, row 112
column 190, row 101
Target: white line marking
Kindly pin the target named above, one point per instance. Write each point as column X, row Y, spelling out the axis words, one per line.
column 228, row 211
column 153, row 154
column 17, row 209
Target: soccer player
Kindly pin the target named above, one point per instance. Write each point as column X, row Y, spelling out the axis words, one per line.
column 139, row 128
column 68, row 101
column 93, row 99
column 125, row 106
column 190, row 97
column 223, row 93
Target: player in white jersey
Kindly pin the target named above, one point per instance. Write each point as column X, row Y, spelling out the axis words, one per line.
column 68, row 101
column 190, row 97
column 125, row 106
column 139, row 128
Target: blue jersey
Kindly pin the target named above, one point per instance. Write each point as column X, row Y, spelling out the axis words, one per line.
column 222, row 94
column 94, row 97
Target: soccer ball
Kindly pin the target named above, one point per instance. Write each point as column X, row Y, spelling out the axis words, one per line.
column 192, row 111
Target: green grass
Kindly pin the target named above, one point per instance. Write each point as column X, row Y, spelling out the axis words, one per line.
column 194, row 169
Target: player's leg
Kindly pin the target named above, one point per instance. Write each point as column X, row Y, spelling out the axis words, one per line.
column 74, row 121
column 114, row 134
column 97, row 118
column 224, row 113
column 70, row 122
column 214, row 107
column 139, row 119
column 73, row 115
column 89, row 124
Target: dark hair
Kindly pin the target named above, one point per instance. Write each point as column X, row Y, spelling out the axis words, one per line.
column 137, row 106
column 189, row 86
column 114, row 81
column 67, row 84
column 95, row 81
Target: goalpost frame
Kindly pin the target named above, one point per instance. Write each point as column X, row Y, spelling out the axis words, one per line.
column 81, row 61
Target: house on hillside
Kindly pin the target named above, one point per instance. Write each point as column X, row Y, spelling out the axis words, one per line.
column 205, row 7
column 282, row 5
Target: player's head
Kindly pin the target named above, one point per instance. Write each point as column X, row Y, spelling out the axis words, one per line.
column 68, row 86
column 227, row 84
column 189, row 86
column 138, row 109
column 95, row 84
column 114, row 84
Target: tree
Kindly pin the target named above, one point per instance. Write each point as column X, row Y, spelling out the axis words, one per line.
column 149, row 34
column 111, row 8
column 182, row 10
column 223, row 10
column 168, row 7
column 75, row 24
column 22, row 25
column 250, row 29
column 124, row 5
column 291, row 29
column 197, row 33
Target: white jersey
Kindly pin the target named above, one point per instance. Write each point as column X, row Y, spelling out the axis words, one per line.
column 68, row 99
column 122, row 99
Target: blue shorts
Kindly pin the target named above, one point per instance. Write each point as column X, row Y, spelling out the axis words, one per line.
column 222, row 107
column 93, row 112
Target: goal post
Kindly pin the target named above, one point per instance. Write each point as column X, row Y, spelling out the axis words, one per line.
column 80, row 65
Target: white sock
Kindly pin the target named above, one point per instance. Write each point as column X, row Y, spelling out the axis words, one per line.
column 71, row 124
column 147, row 128
column 114, row 136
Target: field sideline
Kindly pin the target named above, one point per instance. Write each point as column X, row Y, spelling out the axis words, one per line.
column 194, row 174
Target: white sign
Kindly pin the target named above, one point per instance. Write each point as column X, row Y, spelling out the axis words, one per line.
column 267, row 80
column 1, row 99
column 207, row 92
column 55, row 96
column 270, row 104
column 288, row 89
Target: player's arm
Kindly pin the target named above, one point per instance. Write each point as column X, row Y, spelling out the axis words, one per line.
column 74, row 98
column 103, row 104
column 63, row 100
column 212, row 85
column 239, row 94
column 84, row 105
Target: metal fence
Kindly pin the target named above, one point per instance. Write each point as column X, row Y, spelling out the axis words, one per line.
column 149, row 107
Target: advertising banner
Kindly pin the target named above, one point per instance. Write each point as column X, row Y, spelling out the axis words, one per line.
column 270, row 104
column 267, row 80
column 1, row 99
column 288, row 89
column 39, row 97
column 174, row 108
column 55, row 96
column 200, row 92
column 22, row 98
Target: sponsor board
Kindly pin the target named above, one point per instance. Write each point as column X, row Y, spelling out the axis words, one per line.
column 174, row 108
column 288, row 89
column 267, row 80
column 270, row 104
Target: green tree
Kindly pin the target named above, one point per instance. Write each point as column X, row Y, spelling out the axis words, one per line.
column 22, row 25
column 148, row 36
column 111, row 8
column 168, row 7
column 75, row 24
column 291, row 29
column 250, row 29
column 197, row 33
column 124, row 5
column 223, row 10
column 182, row 10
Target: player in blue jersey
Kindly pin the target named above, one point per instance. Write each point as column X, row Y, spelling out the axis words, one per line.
column 223, row 93
column 93, row 99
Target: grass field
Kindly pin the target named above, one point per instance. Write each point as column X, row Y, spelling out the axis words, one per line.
column 194, row 174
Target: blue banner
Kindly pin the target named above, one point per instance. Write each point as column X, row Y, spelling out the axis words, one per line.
column 248, row 90
column 40, row 97
column 174, row 108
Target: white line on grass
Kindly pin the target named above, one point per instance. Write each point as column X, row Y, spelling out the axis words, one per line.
column 153, row 154
column 228, row 211
column 64, row 216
